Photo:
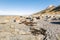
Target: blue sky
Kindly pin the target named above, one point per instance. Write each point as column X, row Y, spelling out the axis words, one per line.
column 24, row 7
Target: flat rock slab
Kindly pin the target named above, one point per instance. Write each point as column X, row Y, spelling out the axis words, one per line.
column 10, row 30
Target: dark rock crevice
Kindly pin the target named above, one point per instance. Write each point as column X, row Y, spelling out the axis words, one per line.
column 37, row 32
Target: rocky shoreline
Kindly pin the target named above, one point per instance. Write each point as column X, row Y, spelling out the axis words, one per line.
column 27, row 28
column 44, row 25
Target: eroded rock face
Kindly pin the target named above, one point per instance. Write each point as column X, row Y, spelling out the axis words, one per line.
column 27, row 28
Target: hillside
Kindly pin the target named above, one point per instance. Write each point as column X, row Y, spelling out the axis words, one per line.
column 51, row 10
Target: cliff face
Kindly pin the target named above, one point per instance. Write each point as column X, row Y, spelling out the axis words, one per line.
column 44, row 25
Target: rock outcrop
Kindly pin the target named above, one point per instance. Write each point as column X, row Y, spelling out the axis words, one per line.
column 44, row 25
